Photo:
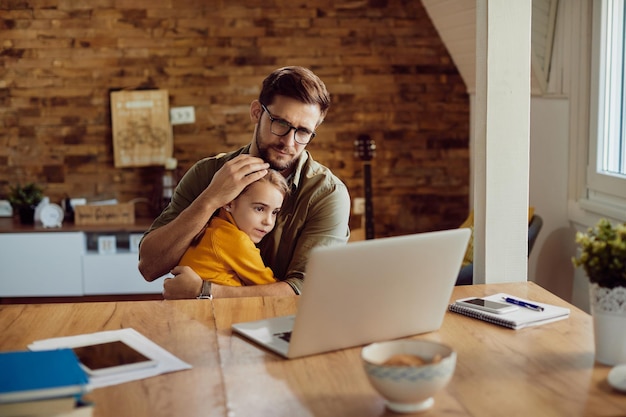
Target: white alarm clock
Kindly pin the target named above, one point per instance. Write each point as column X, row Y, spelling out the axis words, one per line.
column 51, row 215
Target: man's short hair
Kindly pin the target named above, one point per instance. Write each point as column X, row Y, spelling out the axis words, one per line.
column 298, row 83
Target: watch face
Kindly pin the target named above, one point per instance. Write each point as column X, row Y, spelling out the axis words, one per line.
column 51, row 215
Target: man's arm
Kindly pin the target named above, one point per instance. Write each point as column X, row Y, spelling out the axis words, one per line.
column 326, row 224
column 187, row 284
column 276, row 289
column 162, row 248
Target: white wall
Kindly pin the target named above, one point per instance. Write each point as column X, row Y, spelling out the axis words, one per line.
column 550, row 262
column 559, row 147
column 559, row 132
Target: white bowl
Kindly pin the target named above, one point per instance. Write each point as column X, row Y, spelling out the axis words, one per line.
column 408, row 389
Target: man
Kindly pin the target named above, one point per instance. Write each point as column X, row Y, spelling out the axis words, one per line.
column 292, row 104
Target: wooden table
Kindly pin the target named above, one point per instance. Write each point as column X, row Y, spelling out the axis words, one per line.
column 541, row 371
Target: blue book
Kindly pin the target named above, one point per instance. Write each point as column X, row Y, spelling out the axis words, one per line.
column 36, row 375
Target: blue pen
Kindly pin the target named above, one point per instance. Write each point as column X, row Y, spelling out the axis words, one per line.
column 522, row 304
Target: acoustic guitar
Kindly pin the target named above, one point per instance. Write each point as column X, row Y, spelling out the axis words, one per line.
column 365, row 149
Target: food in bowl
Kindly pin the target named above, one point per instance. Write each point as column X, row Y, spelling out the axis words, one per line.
column 403, row 359
column 407, row 373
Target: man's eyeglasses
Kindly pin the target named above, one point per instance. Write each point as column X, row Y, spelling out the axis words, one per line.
column 281, row 127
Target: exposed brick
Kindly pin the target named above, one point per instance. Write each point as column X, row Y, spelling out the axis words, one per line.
column 54, row 173
column 386, row 68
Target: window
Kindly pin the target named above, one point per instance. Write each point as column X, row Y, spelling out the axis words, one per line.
column 606, row 176
column 611, row 149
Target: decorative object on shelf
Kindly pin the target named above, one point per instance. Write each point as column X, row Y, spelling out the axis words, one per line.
column 68, row 209
column 5, row 209
column 168, row 182
column 133, row 242
column 107, row 245
column 603, row 257
column 104, row 214
column 44, row 201
column 51, row 215
column 24, row 199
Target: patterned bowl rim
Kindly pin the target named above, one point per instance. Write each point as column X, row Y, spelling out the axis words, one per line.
column 444, row 358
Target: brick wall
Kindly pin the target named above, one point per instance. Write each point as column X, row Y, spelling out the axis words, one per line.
column 386, row 68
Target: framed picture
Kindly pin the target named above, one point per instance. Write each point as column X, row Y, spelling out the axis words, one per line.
column 142, row 132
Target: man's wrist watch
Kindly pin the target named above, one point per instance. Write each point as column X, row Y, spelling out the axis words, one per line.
column 205, row 292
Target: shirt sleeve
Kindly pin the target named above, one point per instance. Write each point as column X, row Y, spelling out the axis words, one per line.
column 326, row 226
column 239, row 252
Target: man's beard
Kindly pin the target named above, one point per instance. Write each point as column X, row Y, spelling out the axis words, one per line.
column 264, row 155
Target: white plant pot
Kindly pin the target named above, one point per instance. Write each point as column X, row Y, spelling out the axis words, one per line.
column 608, row 308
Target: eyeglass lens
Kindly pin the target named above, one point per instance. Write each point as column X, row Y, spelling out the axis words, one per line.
column 280, row 127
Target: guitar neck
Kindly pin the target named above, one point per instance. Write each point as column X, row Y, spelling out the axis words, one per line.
column 365, row 150
column 369, row 207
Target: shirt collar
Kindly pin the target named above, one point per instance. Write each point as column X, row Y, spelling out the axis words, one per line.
column 294, row 178
column 226, row 215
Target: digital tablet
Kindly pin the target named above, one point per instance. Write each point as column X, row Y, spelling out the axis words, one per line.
column 111, row 357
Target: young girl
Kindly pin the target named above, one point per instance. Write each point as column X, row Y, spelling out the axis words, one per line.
column 224, row 252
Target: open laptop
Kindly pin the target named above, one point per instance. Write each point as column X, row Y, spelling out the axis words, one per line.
column 365, row 292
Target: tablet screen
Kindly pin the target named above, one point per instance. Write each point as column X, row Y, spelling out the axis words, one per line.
column 110, row 355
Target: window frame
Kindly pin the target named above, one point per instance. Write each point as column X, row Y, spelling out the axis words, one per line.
column 605, row 193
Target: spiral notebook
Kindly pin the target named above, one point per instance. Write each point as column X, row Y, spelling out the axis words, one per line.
column 518, row 319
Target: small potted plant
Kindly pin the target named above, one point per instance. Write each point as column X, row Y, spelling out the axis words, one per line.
column 602, row 254
column 24, row 199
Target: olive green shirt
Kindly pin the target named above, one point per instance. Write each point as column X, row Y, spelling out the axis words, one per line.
column 315, row 213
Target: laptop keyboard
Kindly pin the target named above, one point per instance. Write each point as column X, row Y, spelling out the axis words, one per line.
column 286, row 336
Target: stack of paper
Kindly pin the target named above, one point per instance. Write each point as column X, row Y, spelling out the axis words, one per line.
column 44, row 383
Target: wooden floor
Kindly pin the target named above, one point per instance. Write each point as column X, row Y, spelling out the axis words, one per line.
column 85, row 299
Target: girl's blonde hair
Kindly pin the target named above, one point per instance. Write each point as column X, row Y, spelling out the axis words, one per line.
column 273, row 177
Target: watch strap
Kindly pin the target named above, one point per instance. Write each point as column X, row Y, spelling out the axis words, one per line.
column 205, row 292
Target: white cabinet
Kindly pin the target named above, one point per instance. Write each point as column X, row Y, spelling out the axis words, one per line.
column 116, row 274
column 58, row 263
column 41, row 264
